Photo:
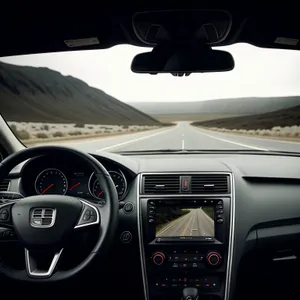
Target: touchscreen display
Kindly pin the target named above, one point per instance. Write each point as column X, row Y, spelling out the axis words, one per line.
column 180, row 222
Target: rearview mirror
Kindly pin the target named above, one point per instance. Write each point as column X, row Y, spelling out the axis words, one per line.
column 182, row 60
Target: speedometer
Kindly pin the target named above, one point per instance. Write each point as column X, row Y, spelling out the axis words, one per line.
column 51, row 181
column 119, row 181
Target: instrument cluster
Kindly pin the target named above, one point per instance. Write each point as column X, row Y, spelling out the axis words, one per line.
column 51, row 176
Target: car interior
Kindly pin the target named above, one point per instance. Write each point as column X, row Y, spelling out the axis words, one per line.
column 84, row 245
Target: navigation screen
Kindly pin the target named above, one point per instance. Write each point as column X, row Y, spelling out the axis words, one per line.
column 179, row 222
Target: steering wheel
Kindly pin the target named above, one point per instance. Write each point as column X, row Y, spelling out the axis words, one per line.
column 46, row 222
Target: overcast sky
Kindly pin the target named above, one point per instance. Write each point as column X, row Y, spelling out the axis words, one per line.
column 258, row 73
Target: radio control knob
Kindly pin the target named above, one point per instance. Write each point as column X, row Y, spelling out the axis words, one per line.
column 213, row 258
column 158, row 258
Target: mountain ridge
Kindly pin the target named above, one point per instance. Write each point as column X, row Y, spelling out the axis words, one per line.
column 40, row 94
column 282, row 117
column 233, row 106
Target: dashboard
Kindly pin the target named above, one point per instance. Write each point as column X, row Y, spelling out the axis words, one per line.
column 62, row 176
column 259, row 217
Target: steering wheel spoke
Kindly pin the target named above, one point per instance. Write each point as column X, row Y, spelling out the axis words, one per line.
column 32, row 265
column 89, row 215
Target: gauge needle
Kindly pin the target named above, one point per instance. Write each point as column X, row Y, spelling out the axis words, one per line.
column 74, row 186
column 100, row 193
column 47, row 188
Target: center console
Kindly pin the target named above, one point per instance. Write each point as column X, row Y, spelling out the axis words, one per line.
column 185, row 241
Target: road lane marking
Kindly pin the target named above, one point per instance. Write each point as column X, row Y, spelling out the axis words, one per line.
column 193, row 223
column 186, row 227
column 231, row 142
column 182, row 145
column 134, row 140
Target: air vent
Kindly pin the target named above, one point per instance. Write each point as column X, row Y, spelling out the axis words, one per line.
column 161, row 184
column 4, row 185
column 210, row 184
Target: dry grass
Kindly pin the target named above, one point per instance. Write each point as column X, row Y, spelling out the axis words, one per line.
column 33, row 142
column 261, row 133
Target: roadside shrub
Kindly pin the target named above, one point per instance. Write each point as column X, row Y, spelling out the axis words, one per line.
column 13, row 128
column 41, row 135
column 276, row 128
column 264, row 132
column 98, row 131
column 76, row 132
column 22, row 134
column 53, row 126
column 45, row 127
column 90, row 127
column 58, row 134
column 251, row 131
column 125, row 126
column 107, row 131
column 79, row 125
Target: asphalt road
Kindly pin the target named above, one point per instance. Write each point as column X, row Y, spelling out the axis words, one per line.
column 195, row 223
column 181, row 136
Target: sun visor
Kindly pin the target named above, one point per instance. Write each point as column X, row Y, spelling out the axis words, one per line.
column 206, row 26
column 272, row 32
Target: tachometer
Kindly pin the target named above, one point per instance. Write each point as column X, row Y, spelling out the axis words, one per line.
column 51, row 181
column 97, row 190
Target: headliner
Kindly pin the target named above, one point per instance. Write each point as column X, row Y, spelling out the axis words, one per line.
column 31, row 29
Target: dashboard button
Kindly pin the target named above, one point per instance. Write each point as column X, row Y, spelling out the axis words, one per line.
column 158, row 258
column 128, row 208
column 220, row 221
column 219, row 211
column 213, row 259
column 4, row 215
column 126, row 237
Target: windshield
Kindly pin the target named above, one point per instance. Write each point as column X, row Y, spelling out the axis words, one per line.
column 92, row 101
